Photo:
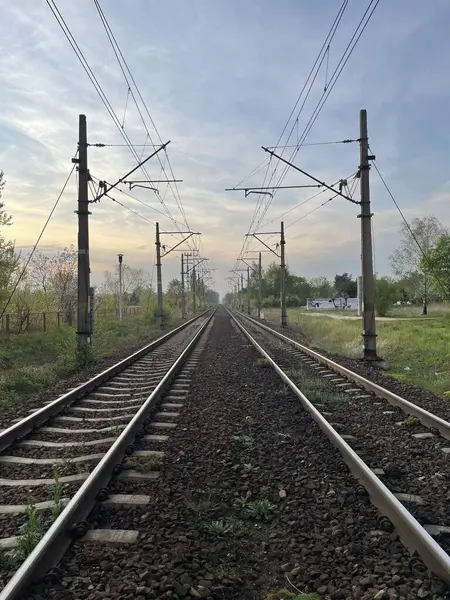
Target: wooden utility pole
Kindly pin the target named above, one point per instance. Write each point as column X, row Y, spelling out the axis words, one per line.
column 159, row 290
column 259, row 285
column 369, row 331
column 83, row 321
column 283, row 278
column 183, row 295
column 120, row 286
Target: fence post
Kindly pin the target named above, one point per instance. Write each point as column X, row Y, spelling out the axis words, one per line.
column 44, row 321
column 58, row 319
column 7, row 324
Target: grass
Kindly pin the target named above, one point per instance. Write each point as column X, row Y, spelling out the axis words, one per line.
column 32, row 362
column 417, row 351
column 260, row 510
column 29, row 535
column 284, row 594
column 144, row 464
column 225, row 527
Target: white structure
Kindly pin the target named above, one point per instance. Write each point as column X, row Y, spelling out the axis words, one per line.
column 332, row 303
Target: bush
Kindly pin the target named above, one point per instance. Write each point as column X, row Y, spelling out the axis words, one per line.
column 386, row 294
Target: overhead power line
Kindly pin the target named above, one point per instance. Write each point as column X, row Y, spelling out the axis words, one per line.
column 30, row 256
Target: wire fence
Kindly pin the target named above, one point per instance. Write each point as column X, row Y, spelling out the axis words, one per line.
column 32, row 322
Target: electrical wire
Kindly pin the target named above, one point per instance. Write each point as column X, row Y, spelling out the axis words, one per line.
column 118, row 52
column 98, row 88
column 30, row 256
column 444, row 287
column 333, row 80
column 327, row 40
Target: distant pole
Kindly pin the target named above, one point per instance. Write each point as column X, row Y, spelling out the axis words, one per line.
column 242, row 292
column 283, row 278
column 194, row 286
column 183, row 295
column 248, row 290
column 259, row 285
column 369, row 331
column 83, row 328
column 120, row 286
column 159, row 278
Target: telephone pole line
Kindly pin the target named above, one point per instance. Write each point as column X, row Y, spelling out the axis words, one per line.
column 83, row 318
column 120, row 286
column 369, row 331
column 194, row 286
column 159, row 291
column 282, row 257
column 183, row 294
column 260, row 285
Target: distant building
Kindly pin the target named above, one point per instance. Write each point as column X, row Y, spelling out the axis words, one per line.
column 332, row 303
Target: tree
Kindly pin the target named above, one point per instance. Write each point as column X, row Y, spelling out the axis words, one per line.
column 436, row 264
column 56, row 277
column 134, row 282
column 320, row 287
column 345, row 286
column 9, row 260
column 407, row 259
column 386, row 293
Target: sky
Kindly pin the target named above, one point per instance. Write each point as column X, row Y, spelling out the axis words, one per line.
column 219, row 79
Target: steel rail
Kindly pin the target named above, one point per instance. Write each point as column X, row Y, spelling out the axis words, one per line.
column 425, row 417
column 58, row 538
column 39, row 416
column 411, row 533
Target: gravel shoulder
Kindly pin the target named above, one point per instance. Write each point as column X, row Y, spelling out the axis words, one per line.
column 241, row 443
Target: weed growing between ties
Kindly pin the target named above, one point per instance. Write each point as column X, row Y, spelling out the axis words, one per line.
column 29, row 535
column 58, row 490
column 152, row 462
column 204, row 504
column 262, row 363
column 411, row 421
column 285, row 594
column 229, row 526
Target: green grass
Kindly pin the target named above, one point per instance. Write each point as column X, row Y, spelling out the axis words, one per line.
column 32, row 362
column 417, row 351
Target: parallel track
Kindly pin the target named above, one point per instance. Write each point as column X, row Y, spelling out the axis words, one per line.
column 71, row 524
column 411, row 532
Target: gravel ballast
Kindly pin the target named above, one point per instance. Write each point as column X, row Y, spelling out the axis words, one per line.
column 240, row 439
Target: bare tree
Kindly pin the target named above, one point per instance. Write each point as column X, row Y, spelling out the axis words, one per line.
column 407, row 259
column 132, row 279
column 56, row 276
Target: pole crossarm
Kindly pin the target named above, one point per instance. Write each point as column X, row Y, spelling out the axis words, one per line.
column 177, row 245
column 255, row 235
column 196, row 264
column 261, row 190
column 255, row 270
column 322, row 183
column 107, row 188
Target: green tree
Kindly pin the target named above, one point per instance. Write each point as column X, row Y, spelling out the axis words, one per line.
column 386, row 293
column 406, row 262
column 436, row 264
column 345, row 286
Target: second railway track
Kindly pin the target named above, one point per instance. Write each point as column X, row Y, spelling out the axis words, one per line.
column 53, row 472
column 382, row 437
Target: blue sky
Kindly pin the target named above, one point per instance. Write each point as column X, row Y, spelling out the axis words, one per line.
column 220, row 79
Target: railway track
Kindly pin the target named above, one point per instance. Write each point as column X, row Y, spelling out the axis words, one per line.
column 394, row 448
column 58, row 462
